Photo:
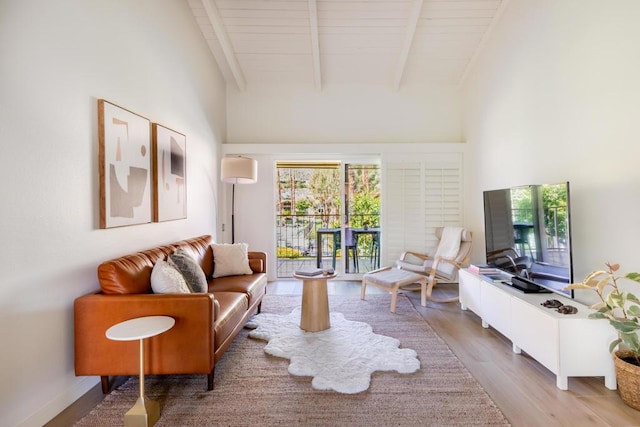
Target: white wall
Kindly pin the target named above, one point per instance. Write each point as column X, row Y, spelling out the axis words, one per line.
column 555, row 97
column 56, row 59
column 343, row 114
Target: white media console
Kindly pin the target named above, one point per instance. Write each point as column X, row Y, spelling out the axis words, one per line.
column 569, row 345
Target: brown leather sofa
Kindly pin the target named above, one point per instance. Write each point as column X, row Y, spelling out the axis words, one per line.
column 206, row 323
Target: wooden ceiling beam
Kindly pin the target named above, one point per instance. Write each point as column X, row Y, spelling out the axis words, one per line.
column 315, row 43
column 223, row 38
column 410, row 32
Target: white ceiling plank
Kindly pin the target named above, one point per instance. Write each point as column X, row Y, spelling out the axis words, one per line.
column 454, row 29
column 476, row 53
column 363, row 6
column 264, row 29
column 391, row 41
column 353, row 22
column 292, row 47
column 270, row 22
column 261, row 4
column 396, row 13
column 456, row 13
column 225, row 44
column 412, row 23
column 315, row 44
column 462, row 5
column 452, row 22
column 364, row 31
column 274, row 62
column 263, row 14
column 388, row 43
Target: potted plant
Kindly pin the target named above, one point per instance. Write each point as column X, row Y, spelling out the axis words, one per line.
column 622, row 310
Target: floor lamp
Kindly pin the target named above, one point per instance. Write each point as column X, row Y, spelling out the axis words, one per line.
column 237, row 170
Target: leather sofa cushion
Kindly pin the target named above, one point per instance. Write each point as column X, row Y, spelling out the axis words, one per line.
column 253, row 286
column 233, row 306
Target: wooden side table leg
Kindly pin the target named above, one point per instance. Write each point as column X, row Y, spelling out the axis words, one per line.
column 314, row 315
column 145, row 412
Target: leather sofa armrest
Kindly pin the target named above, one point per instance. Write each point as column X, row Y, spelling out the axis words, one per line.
column 192, row 333
column 257, row 261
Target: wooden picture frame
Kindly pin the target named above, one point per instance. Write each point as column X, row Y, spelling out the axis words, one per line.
column 125, row 166
column 170, row 174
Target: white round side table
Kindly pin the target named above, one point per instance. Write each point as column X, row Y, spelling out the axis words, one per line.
column 145, row 412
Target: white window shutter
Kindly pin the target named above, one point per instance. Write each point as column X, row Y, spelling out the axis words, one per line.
column 419, row 195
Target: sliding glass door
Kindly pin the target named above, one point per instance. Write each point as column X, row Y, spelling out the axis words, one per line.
column 362, row 217
column 327, row 216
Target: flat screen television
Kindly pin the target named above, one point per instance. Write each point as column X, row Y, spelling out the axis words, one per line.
column 528, row 234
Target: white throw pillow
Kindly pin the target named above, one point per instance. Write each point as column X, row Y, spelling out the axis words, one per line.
column 166, row 279
column 230, row 259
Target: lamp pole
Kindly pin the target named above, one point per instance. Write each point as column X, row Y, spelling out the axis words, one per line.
column 237, row 170
column 233, row 213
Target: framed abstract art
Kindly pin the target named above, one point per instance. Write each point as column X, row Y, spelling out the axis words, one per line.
column 170, row 174
column 125, row 166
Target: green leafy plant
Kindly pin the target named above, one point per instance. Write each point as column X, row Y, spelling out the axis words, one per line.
column 283, row 252
column 621, row 308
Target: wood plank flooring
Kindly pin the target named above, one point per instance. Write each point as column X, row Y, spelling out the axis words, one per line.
column 523, row 389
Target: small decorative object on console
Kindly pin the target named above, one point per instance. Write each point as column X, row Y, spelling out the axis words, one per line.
column 551, row 303
column 561, row 308
column 567, row 309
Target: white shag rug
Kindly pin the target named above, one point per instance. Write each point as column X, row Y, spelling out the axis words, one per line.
column 341, row 358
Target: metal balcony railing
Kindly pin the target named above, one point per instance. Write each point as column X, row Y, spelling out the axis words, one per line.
column 297, row 243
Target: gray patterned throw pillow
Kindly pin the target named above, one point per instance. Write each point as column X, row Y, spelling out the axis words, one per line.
column 191, row 271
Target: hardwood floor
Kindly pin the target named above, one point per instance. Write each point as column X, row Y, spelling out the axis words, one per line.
column 523, row 389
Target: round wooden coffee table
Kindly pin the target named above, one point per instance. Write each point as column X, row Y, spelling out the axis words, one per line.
column 315, row 302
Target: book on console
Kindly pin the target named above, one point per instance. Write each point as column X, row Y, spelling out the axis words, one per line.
column 483, row 269
column 310, row 273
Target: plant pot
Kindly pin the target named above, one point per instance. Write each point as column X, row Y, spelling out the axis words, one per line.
column 628, row 378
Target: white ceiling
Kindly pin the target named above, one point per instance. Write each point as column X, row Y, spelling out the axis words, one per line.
column 389, row 43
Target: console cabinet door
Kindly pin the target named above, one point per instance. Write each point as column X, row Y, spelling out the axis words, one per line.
column 496, row 308
column 536, row 333
column 470, row 292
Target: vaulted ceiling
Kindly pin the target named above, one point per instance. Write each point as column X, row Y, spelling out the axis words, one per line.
column 335, row 42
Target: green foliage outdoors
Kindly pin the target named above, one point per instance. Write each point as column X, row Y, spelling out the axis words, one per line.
column 303, row 205
column 553, row 198
column 325, row 191
column 288, row 253
column 366, row 209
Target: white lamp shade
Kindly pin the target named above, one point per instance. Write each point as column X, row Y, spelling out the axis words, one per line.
column 239, row 170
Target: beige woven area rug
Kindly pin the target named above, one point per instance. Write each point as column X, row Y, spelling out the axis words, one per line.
column 254, row 389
